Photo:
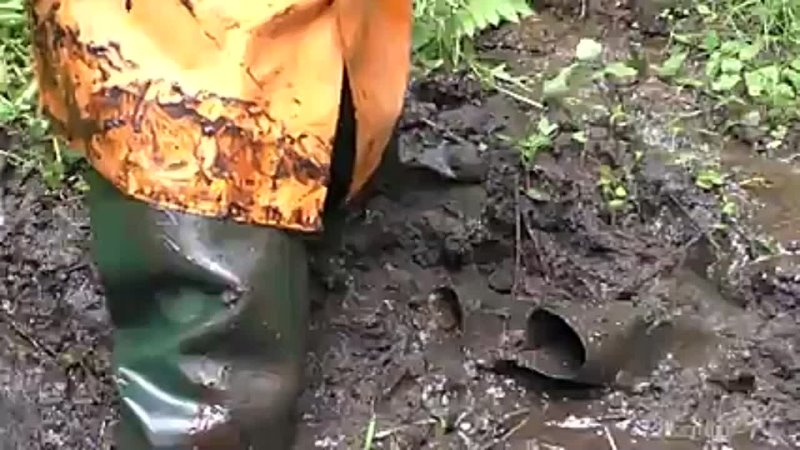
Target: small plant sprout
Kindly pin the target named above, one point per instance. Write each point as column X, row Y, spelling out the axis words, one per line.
column 540, row 140
column 613, row 189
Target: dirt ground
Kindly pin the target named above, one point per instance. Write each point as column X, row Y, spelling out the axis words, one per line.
column 424, row 315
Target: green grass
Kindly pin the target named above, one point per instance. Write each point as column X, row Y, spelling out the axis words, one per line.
column 39, row 151
column 16, row 89
column 444, row 29
column 749, row 53
column 774, row 22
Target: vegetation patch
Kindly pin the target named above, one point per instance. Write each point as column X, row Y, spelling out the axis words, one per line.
column 748, row 58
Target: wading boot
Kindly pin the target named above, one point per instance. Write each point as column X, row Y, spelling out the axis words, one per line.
column 210, row 320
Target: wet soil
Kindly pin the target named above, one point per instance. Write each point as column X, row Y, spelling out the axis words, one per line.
column 477, row 304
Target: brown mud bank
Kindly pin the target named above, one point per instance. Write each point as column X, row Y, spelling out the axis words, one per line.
column 473, row 303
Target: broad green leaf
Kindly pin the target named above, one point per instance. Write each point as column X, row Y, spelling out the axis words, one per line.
column 478, row 15
column 513, row 10
column 731, row 47
column 545, row 127
column 771, row 73
column 729, row 209
column 749, row 52
column 617, row 204
column 783, row 94
column 760, row 81
column 673, row 64
column 726, row 82
column 710, row 41
column 752, row 118
column 422, row 34
column 793, row 77
column 7, row 111
column 579, row 136
column 588, row 50
column 756, row 85
column 709, row 179
column 606, row 175
column 620, row 70
column 712, row 65
column 558, row 86
column 730, row 65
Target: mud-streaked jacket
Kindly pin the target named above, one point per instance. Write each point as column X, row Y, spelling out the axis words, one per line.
column 222, row 108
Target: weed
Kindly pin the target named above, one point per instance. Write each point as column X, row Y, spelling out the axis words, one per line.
column 541, row 139
column 443, row 34
column 586, row 69
column 613, row 188
column 16, row 87
column 39, row 150
column 442, row 28
column 729, row 207
column 369, row 437
column 749, row 53
column 709, row 179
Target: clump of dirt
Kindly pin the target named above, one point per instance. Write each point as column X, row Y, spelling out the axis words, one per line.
column 421, row 320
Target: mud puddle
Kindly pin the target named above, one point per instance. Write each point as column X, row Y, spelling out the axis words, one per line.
column 773, row 183
column 474, row 304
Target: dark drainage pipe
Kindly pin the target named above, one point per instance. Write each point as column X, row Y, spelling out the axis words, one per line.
column 587, row 344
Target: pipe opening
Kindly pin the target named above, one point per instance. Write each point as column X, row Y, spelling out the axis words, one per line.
column 557, row 348
column 448, row 306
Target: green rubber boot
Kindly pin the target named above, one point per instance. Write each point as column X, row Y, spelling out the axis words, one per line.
column 210, row 323
column 210, row 316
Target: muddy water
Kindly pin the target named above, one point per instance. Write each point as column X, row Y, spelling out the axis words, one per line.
column 565, row 426
column 774, row 184
column 694, row 342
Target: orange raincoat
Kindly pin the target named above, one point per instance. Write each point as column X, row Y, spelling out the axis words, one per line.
column 223, row 108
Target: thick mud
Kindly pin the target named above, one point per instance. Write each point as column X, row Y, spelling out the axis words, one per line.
column 477, row 304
